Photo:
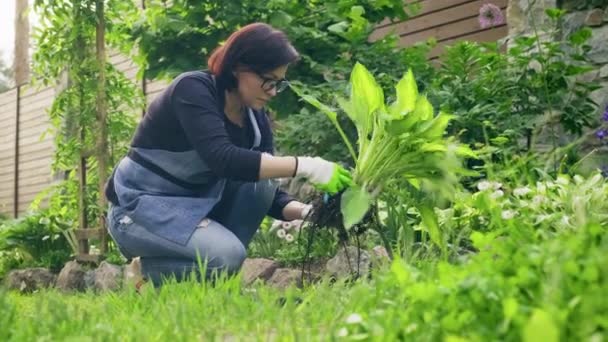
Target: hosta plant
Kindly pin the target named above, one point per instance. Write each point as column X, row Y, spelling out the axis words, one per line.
column 401, row 142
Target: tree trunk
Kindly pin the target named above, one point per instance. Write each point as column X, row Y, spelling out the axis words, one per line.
column 21, row 64
column 102, row 138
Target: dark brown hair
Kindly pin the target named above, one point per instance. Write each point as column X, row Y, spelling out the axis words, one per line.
column 257, row 46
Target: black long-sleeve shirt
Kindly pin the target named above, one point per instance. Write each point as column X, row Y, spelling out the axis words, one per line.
column 188, row 115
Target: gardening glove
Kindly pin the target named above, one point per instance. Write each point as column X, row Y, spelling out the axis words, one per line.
column 324, row 175
column 306, row 209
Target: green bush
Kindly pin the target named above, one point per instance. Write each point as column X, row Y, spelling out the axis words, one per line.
column 36, row 240
column 533, row 86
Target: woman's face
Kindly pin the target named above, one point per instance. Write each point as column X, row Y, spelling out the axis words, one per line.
column 255, row 89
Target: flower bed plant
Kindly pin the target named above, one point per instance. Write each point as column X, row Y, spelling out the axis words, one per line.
column 399, row 144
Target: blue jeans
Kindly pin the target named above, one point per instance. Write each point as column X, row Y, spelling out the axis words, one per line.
column 220, row 240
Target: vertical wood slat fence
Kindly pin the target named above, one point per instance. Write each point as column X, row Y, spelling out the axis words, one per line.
column 26, row 148
column 26, row 154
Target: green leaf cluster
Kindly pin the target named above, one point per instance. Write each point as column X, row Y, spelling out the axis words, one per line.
column 396, row 143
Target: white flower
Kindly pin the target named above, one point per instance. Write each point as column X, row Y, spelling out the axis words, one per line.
column 286, row 225
column 523, row 191
column 275, row 224
column 497, row 194
column 538, row 199
column 507, row 214
column 281, row 233
column 343, row 332
column 562, row 180
column 288, row 237
column 354, row 318
column 496, row 185
column 541, row 188
column 297, row 224
column 483, row 185
column 565, row 220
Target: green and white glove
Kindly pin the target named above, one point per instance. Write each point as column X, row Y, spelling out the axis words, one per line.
column 324, row 175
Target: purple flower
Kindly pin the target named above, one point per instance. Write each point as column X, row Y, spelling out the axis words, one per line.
column 605, row 116
column 490, row 15
column 601, row 134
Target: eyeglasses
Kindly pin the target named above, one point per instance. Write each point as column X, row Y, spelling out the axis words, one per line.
column 269, row 83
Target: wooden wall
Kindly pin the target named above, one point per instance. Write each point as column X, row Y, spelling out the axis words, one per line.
column 8, row 109
column 447, row 21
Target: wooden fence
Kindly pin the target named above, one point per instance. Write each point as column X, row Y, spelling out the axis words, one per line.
column 447, row 21
column 26, row 153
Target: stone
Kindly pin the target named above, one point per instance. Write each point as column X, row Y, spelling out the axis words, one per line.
column 604, row 71
column 520, row 14
column 132, row 271
column 599, row 48
column 595, row 17
column 600, row 96
column 344, row 264
column 258, row 268
column 283, row 278
column 589, row 77
column 30, row 279
column 71, row 277
column 380, row 253
column 573, row 21
column 108, row 277
column 570, row 5
column 89, row 279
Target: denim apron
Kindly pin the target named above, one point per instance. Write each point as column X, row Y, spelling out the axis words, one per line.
column 167, row 209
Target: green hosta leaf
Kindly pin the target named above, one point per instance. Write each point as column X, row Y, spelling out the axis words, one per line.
column 424, row 109
column 465, row 151
column 540, row 327
column 347, row 107
column 354, row 205
column 366, row 97
column 415, row 182
column 434, row 147
column 398, row 126
column 332, row 115
column 436, row 127
column 407, row 95
column 430, row 222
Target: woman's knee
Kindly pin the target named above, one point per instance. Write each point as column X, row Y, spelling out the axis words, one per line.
column 232, row 257
column 218, row 247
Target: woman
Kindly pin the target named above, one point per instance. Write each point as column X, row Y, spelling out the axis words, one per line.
column 200, row 175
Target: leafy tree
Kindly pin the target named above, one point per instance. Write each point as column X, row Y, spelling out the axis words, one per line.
column 94, row 115
column 331, row 35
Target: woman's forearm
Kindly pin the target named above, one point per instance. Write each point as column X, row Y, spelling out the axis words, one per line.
column 276, row 167
column 294, row 210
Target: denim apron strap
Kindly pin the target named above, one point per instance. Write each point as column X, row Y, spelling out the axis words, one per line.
column 257, row 136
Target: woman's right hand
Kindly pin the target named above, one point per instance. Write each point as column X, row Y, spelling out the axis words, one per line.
column 323, row 175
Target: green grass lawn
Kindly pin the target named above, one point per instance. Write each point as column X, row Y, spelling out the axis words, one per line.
column 537, row 274
column 511, row 290
column 191, row 311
